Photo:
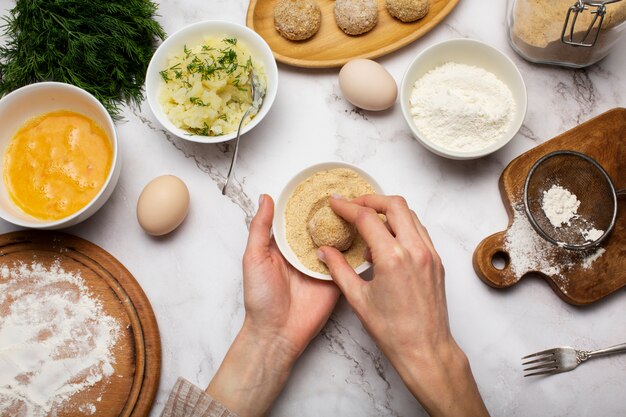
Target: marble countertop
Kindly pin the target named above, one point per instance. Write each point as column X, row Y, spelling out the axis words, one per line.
column 193, row 276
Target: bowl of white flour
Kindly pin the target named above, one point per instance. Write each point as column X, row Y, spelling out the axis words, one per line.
column 463, row 99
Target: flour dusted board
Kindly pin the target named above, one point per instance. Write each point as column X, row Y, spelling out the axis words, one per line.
column 131, row 388
column 604, row 139
column 330, row 46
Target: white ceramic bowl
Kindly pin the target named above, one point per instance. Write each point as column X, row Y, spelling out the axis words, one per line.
column 278, row 225
column 468, row 52
column 33, row 100
column 195, row 34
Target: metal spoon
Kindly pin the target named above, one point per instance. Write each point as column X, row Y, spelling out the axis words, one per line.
column 258, row 92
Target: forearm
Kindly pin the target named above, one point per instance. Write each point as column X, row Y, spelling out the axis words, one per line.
column 442, row 382
column 252, row 374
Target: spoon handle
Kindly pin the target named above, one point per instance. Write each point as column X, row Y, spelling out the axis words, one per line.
column 232, row 163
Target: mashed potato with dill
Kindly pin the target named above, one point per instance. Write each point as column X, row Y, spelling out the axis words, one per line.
column 207, row 88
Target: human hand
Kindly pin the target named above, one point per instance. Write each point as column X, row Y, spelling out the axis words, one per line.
column 281, row 303
column 404, row 306
column 408, row 284
column 285, row 310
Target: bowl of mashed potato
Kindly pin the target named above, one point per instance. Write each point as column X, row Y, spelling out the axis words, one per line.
column 198, row 82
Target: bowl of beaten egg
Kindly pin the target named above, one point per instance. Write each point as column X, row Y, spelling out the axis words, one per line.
column 198, row 84
column 59, row 156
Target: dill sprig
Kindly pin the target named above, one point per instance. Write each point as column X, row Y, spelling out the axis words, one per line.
column 224, row 61
column 102, row 46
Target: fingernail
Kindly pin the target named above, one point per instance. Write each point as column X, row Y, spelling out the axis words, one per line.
column 337, row 196
column 321, row 255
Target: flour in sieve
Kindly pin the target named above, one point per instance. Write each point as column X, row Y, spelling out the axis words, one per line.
column 55, row 340
column 461, row 107
column 593, row 234
column 559, row 205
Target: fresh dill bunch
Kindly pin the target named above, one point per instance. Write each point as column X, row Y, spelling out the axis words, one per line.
column 102, row 46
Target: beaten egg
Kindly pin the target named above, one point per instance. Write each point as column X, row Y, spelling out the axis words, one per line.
column 163, row 205
column 367, row 85
column 56, row 164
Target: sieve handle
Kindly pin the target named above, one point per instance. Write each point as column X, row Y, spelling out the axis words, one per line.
column 621, row 192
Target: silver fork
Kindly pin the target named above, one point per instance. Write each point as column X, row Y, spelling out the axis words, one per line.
column 563, row 359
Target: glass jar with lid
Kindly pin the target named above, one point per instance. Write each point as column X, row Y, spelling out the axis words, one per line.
column 573, row 33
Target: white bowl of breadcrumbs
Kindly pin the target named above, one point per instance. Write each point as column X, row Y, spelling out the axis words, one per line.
column 307, row 192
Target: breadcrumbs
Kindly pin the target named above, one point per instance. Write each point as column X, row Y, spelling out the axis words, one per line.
column 310, row 196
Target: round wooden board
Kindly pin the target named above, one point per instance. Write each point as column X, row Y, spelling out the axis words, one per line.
column 130, row 391
column 330, row 47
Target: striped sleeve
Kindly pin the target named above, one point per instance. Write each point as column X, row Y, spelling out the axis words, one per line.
column 187, row 400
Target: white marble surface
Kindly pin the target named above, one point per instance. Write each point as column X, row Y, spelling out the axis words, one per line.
column 193, row 276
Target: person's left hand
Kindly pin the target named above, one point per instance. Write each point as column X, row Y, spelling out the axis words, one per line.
column 281, row 303
column 285, row 310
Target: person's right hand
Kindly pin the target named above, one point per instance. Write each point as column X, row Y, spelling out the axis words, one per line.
column 404, row 306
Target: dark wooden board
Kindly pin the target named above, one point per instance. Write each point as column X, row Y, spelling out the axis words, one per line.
column 604, row 139
column 130, row 391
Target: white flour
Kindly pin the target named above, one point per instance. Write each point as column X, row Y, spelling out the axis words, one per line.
column 55, row 340
column 461, row 107
column 559, row 205
column 592, row 234
column 529, row 252
column 561, row 208
column 589, row 260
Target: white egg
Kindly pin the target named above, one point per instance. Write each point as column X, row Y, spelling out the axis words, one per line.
column 163, row 205
column 367, row 85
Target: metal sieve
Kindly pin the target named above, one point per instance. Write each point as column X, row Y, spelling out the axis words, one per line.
column 592, row 186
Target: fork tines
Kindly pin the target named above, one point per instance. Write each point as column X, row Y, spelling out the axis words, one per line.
column 545, row 363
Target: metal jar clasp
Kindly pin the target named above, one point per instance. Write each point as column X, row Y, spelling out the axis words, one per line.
column 589, row 36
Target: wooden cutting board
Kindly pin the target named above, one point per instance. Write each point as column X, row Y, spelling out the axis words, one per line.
column 130, row 391
column 330, row 46
column 604, row 139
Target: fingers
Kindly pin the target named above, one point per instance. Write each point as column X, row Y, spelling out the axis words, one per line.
column 397, row 211
column 260, row 228
column 436, row 259
column 366, row 220
column 423, row 232
column 342, row 273
column 403, row 221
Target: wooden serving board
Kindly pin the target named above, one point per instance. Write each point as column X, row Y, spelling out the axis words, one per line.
column 604, row 139
column 130, row 391
column 330, row 46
